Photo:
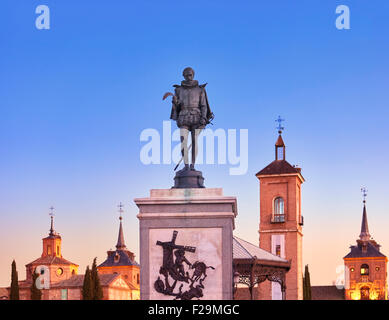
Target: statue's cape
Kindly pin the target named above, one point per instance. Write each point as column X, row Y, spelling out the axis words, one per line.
column 191, row 84
column 210, row 114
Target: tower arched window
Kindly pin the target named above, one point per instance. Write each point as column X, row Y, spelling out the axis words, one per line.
column 278, row 211
column 364, row 270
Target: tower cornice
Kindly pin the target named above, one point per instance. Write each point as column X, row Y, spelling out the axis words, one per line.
column 299, row 175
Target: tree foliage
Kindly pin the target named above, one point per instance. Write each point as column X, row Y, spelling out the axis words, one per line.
column 87, row 288
column 14, row 294
column 307, row 291
column 97, row 290
column 36, row 294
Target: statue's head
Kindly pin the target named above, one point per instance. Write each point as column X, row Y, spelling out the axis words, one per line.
column 179, row 253
column 188, row 74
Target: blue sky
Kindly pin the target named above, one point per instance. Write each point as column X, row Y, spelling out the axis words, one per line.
column 74, row 100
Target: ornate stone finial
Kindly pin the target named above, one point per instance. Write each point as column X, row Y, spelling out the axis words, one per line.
column 280, row 127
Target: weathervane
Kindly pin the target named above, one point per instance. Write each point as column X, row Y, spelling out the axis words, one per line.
column 120, row 206
column 279, row 127
column 51, row 211
column 51, row 214
column 364, row 194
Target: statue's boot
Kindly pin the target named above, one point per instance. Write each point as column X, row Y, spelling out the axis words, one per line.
column 192, row 167
column 185, row 168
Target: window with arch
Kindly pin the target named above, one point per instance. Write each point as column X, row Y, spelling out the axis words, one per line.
column 279, row 210
column 364, row 270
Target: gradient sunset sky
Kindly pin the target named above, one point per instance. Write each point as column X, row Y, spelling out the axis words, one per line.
column 74, row 100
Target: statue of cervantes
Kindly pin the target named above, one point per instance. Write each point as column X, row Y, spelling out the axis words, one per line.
column 191, row 111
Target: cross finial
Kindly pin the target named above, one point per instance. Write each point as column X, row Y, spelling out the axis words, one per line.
column 51, row 211
column 280, row 127
column 364, row 194
column 120, row 206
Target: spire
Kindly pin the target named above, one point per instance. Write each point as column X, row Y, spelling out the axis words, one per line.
column 280, row 142
column 51, row 214
column 121, row 245
column 280, row 145
column 365, row 235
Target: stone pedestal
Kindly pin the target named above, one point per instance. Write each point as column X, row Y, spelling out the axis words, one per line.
column 189, row 179
column 186, row 244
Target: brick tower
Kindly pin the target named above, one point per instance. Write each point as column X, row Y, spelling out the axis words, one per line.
column 280, row 227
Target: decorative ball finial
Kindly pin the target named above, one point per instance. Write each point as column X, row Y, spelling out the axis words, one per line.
column 280, row 127
column 51, row 214
column 120, row 206
column 364, row 194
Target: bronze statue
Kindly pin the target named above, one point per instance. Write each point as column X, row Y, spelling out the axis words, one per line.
column 191, row 111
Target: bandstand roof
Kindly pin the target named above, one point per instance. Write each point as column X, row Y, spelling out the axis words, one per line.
column 246, row 250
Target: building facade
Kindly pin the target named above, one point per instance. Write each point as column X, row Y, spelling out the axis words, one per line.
column 365, row 267
column 280, row 227
column 53, row 268
column 122, row 261
column 114, row 287
column 59, row 278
